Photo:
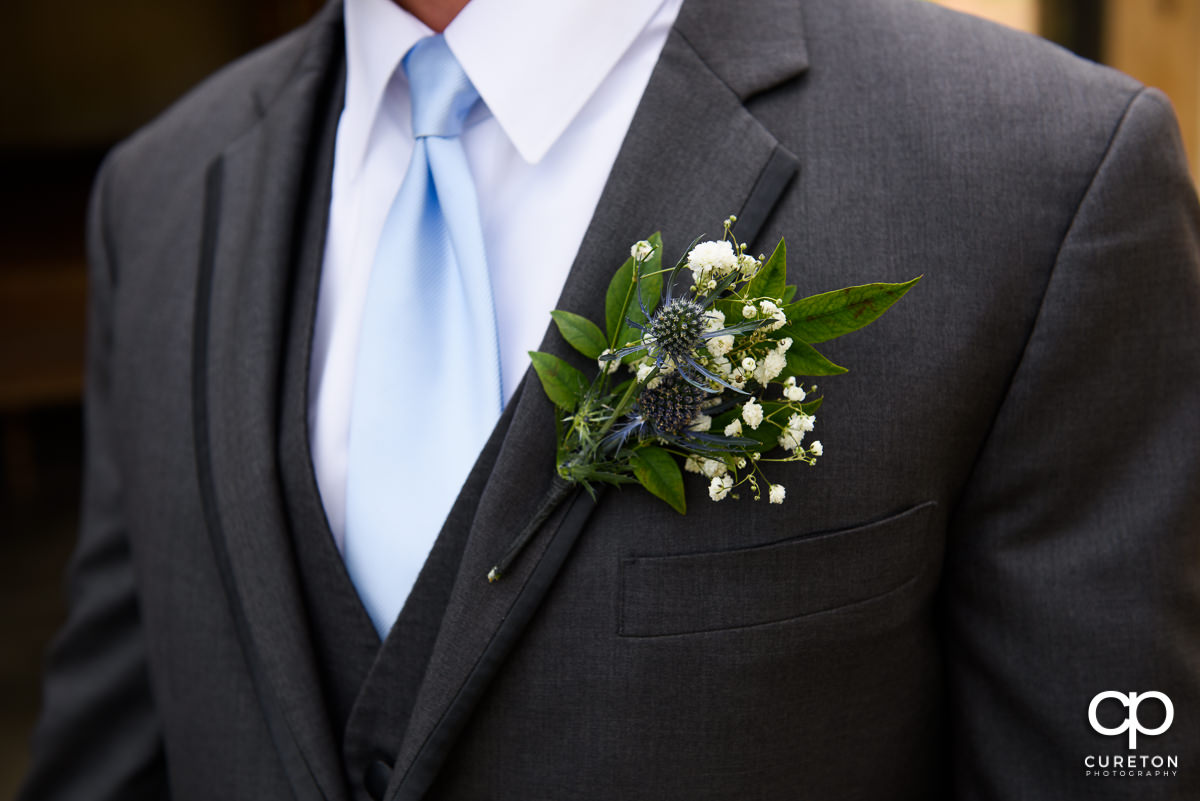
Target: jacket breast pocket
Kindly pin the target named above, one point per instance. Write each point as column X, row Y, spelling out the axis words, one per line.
column 693, row 593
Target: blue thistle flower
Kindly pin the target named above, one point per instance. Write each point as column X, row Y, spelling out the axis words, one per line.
column 676, row 331
column 665, row 411
column 671, row 405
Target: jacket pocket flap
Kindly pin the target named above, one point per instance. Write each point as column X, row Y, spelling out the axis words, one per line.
column 662, row 595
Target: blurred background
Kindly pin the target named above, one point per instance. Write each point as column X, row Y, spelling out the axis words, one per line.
column 76, row 77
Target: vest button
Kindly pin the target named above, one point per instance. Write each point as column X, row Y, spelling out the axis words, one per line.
column 375, row 780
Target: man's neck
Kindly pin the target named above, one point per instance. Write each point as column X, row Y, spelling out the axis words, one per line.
column 437, row 14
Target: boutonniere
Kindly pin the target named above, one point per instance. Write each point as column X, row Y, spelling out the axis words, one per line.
column 699, row 369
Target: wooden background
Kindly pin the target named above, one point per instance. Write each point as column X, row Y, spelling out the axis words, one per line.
column 1155, row 41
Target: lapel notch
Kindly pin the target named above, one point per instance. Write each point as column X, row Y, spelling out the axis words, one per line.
column 751, row 46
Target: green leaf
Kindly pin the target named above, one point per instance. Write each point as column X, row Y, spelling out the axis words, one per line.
column 723, row 419
column 769, row 282
column 619, row 288
column 563, row 383
column 657, row 471
column 771, row 278
column 732, row 309
column 823, row 317
column 622, row 294
column 765, row 435
column 803, row 359
column 581, row 333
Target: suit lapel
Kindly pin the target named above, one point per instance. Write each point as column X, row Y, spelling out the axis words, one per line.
column 672, row 175
column 257, row 194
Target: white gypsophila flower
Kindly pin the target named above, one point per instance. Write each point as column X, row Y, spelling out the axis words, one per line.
column 701, row 423
column 722, row 366
column 790, row 439
column 692, row 465
column 815, row 449
column 801, row 422
column 734, row 429
column 719, row 346
column 748, row 364
column 608, row 366
column 641, row 250
column 741, row 463
column 748, row 265
column 713, row 467
column 777, row 493
column 792, row 391
column 719, row 488
column 643, row 371
column 717, row 257
column 785, row 344
column 752, row 413
column 771, row 367
column 749, row 311
column 737, row 378
column 714, row 320
column 769, row 309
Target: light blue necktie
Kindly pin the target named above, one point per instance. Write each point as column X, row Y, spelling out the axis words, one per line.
column 427, row 381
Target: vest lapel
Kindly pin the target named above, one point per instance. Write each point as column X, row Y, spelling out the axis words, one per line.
column 255, row 204
column 672, row 175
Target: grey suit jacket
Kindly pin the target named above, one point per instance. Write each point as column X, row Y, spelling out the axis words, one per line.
column 1006, row 521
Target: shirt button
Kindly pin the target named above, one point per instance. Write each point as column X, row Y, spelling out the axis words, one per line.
column 375, row 780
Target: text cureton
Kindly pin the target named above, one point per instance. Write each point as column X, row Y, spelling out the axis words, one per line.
column 1130, row 761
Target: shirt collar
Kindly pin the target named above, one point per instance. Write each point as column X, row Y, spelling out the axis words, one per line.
column 535, row 63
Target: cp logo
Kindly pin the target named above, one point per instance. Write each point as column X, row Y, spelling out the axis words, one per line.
column 1131, row 724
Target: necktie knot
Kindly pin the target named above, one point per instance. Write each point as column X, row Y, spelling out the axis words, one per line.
column 442, row 94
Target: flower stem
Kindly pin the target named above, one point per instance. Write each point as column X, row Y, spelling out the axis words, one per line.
column 628, row 397
column 622, row 405
column 560, row 488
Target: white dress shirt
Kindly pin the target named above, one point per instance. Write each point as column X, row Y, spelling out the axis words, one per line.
column 560, row 82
